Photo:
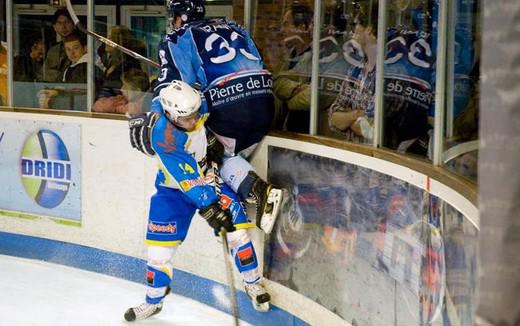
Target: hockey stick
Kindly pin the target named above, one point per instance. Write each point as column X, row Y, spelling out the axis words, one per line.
column 229, row 275
column 106, row 41
column 225, row 247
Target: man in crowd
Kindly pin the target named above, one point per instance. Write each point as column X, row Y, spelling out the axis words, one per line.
column 28, row 65
column 57, row 61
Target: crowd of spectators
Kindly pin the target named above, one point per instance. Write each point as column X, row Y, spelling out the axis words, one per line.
column 60, row 69
column 347, row 70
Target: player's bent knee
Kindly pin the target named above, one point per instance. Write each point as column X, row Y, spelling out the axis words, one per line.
column 159, row 253
column 159, row 273
column 159, row 267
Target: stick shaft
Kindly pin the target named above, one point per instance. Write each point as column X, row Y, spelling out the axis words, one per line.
column 225, row 247
column 106, row 41
column 229, row 275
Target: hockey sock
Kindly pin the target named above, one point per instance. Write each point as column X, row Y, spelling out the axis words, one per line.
column 244, row 255
column 247, row 185
column 159, row 272
column 233, row 171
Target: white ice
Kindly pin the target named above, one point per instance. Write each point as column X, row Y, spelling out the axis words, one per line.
column 34, row 293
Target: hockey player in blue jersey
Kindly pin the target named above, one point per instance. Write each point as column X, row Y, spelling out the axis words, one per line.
column 221, row 58
column 179, row 141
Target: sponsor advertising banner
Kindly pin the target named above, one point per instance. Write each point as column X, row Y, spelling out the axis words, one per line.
column 40, row 168
column 371, row 248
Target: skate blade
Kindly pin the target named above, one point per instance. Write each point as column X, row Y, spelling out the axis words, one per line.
column 274, row 201
column 130, row 315
column 261, row 307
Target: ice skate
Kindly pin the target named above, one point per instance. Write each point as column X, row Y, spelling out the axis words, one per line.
column 267, row 199
column 144, row 310
column 259, row 296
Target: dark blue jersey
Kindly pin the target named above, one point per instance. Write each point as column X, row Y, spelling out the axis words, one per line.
column 224, row 60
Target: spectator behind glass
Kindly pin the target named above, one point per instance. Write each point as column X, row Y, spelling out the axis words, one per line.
column 76, row 73
column 351, row 114
column 115, row 62
column 28, row 66
column 57, row 61
column 131, row 98
column 76, row 49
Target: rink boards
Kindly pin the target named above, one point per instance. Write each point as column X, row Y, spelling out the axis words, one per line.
column 113, row 192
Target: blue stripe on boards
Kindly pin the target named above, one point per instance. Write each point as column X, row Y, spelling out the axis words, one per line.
column 133, row 269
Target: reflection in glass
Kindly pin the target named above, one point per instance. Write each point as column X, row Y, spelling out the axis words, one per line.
column 409, row 77
column 287, row 45
column 351, row 114
column 371, row 248
column 3, row 72
column 151, row 29
column 3, row 57
column 124, row 85
column 462, row 114
column 134, row 95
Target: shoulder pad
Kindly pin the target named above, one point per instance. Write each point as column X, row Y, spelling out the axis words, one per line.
column 234, row 23
column 198, row 24
column 172, row 37
column 176, row 33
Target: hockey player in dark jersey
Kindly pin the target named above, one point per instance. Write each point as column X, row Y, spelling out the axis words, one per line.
column 179, row 141
column 221, row 58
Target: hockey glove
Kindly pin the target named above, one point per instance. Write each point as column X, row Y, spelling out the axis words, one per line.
column 217, row 217
column 215, row 151
column 140, row 127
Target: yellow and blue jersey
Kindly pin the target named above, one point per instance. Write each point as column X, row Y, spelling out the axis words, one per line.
column 181, row 184
column 181, row 158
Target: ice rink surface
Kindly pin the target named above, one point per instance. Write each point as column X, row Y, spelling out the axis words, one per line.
column 36, row 293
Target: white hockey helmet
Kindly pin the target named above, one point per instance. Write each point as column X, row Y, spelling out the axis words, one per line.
column 179, row 99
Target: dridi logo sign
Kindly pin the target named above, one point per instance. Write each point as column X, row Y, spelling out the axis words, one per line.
column 45, row 168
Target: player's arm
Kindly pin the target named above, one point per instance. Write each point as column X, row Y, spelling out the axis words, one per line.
column 140, row 124
column 169, row 69
column 201, row 192
column 184, row 170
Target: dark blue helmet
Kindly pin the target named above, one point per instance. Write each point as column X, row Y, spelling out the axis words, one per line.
column 187, row 10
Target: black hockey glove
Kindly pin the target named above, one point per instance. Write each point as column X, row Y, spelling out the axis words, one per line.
column 215, row 151
column 140, row 127
column 217, row 217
